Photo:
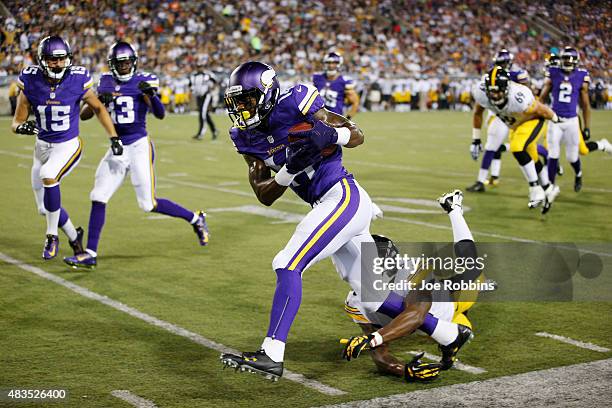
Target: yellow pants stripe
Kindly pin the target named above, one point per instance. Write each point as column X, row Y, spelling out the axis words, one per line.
column 72, row 159
column 152, row 170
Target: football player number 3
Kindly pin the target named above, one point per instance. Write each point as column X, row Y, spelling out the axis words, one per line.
column 565, row 92
column 60, row 117
column 123, row 110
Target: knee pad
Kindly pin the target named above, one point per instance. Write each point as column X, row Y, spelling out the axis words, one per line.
column 522, row 157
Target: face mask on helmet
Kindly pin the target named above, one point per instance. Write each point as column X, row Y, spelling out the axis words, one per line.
column 569, row 61
column 496, row 86
column 122, row 61
column 242, row 107
column 503, row 59
column 54, row 57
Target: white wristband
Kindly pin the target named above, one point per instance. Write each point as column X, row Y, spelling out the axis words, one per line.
column 475, row 133
column 377, row 340
column 344, row 135
column 555, row 118
column 283, row 177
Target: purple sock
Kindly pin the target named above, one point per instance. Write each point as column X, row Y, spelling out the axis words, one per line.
column 63, row 217
column 52, row 198
column 172, row 209
column 96, row 222
column 429, row 324
column 487, row 158
column 286, row 303
column 542, row 151
column 577, row 168
column 552, row 169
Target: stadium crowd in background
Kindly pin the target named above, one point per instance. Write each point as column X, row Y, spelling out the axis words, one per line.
column 394, row 49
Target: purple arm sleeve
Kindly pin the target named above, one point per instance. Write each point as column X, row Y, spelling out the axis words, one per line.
column 157, row 107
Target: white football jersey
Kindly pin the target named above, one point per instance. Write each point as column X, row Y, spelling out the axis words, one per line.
column 518, row 108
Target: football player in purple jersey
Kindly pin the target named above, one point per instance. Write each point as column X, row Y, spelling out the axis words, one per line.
column 335, row 87
column 341, row 211
column 568, row 86
column 128, row 95
column 53, row 90
column 497, row 130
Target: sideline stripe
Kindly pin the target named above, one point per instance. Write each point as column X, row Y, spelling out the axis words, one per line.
column 579, row 385
column 172, row 328
column 577, row 343
column 458, row 365
column 133, row 399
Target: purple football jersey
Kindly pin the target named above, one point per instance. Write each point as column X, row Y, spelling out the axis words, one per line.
column 566, row 90
column 128, row 110
column 297, row 104
column 56, row 107
column 333, row 92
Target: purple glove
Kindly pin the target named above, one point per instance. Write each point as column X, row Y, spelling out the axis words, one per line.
column 302, row 154
column 321, row 135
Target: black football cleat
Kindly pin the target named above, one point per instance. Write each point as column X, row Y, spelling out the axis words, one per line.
column 578, row 184
column 77, row 244
column 451, row 201
column 256, row 362
column 449, row 353
column 477, row 187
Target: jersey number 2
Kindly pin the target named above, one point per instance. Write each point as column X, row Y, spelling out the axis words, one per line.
column 565, row 92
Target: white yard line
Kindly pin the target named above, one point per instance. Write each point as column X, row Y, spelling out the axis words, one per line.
column 577, row 343
column 579, row 385
column 263, row 211
column 133, row 399
column 458, row 365
column 172, row 328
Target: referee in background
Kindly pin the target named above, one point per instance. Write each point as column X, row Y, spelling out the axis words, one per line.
column 202, row 85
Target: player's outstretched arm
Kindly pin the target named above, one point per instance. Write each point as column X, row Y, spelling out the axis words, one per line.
column 94, row 103
column 263, row 184
column 585, row 105
column 384, row 360
column 410, row 319
column 22, row 111
column 539, row 110
column 353, row 99
column 337, row 121
column 545, row 90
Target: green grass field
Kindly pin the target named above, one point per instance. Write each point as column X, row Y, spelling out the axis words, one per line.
column 53, row 338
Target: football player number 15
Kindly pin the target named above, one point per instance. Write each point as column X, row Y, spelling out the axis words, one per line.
column 122, row 110
column 60, row 117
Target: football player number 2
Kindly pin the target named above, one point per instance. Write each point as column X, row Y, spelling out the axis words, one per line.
column 565, row 92
column 123, row 110
column 60, row 117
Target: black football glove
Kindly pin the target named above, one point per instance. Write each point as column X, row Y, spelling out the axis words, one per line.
column 415, row 370
column 355, row 345
column 106, row 98
column 302, row 154
column 116, row 146
column 27, row 128
column 321, row 134
column 475, row 148
column 586, row 134
column 147, row 89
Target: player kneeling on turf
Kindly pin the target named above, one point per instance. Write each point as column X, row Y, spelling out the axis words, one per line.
column 403, row 312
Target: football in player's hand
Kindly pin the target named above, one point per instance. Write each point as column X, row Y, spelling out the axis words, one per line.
column 297, row 132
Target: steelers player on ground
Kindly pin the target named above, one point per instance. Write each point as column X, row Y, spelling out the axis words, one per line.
column 515, row 105
column 568, row 86
column 404, row 311
column 497, row 130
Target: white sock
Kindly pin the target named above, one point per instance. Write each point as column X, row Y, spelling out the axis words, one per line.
column 92, row 253
column 195, row 218
column 69, row 230
column 275, row 349
column 445, row 332
column 496, row 167
column 544, row 180
column 461, row 230
column 52, row 220
column 529, row 171
column 482, row 175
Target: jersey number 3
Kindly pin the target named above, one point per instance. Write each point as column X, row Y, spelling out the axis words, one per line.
column 122, row 110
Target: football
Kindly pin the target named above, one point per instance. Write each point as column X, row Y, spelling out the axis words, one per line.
column 304, row 126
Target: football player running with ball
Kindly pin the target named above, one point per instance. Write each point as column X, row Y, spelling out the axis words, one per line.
column 128, row 96
column 339, row 220
column 526, row 117
column 53, row 90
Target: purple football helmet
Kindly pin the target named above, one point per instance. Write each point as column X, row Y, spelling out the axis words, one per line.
column 54, row 48
column 122, row 61
column 251, row 94
column 569, row 59
column 503, row 59
column 332, row 63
